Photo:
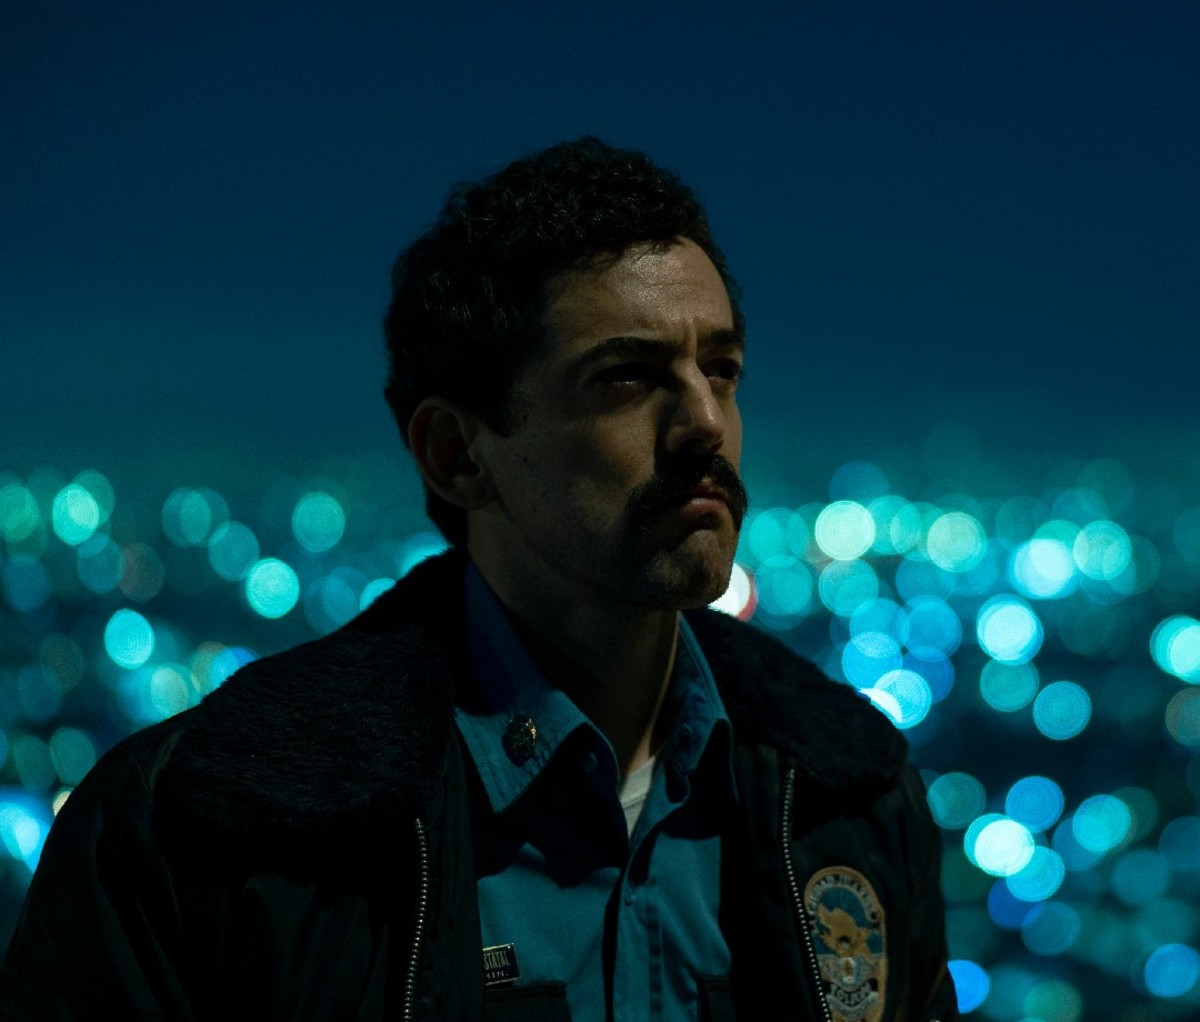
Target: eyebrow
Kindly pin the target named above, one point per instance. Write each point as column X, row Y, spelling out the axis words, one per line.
column 651, row 348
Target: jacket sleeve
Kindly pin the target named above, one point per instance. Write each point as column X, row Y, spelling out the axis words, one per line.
column 99, row 931
column 933, row 996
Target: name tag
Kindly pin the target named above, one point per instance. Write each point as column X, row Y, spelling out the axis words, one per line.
column 500, row 965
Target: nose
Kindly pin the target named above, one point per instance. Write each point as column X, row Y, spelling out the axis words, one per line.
column 698, row 419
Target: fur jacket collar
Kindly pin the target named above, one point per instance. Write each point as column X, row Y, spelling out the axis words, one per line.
column 352, row 728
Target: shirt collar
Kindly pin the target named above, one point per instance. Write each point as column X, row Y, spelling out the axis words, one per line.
column 508, row 686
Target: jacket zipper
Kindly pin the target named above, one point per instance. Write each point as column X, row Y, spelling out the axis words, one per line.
column 422, row 910
column 802, row 917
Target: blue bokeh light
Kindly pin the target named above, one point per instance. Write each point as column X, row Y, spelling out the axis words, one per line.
column 1172, row 970
column 971, row 984
column 1035, row 801
column 929, row 623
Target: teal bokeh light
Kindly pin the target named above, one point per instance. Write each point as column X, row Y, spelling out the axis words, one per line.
column 1008, row 687
column 75, row 514
column 318, row 522
column 904, row 696
column 272, row 588
column 1101, row 823
column 1051, row 928
column 956, row 542
column 1175, row 646
column 1040, row 878
column 1062, row 710
column 1008, row 630
column 232, row 550
column 128, row 639
column 844, row 530
column 1043, row 569
column 955, row 799
column 845, row 586
column 999, row 845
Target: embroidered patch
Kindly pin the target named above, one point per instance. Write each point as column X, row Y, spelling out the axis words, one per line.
column 848, row 936
column 500, row 965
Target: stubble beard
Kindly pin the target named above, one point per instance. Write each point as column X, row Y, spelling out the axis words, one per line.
column 691, row 568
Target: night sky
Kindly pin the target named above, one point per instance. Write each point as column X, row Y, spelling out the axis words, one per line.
column 974, row 213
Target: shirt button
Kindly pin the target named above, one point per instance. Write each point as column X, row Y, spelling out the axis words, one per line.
column 520, row 737
column 588, row 762
column 630, row 894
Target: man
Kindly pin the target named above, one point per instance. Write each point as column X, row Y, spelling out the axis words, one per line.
column 522, row 784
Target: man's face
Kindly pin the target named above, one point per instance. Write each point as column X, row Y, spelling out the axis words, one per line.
column 619, row 483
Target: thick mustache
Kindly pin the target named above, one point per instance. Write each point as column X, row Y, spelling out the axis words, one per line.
column 679, row 477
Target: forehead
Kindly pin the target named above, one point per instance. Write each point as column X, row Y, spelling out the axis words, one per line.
column 670, row 291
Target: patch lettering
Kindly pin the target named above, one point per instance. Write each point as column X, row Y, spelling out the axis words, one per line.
column 848, row 931
column 500, row 965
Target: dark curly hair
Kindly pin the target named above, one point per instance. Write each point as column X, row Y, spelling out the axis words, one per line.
column 468, row 295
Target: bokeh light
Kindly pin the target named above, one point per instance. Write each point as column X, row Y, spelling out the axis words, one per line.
column 1035, row 801
column 1172, row 970
column 956, row 542
column 1062, row 710
column 318, row 522
column 1043, row 569
column 971, row 984
column 1101, row 823
column 1051, row 929
column 232, row 551
column 75, row 515
column 844, row 530
column 998, row 845
column 955, row 799
column 1175, row 646
column 272, row 587
column 128, row 639
column 1008, row 630
column 903, row 695
column 737, row 600
column 1008, row 687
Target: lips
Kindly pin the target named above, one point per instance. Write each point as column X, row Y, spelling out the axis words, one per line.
column 693, row 487
column 708, row 494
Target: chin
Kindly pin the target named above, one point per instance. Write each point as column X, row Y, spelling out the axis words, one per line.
column 675, row 583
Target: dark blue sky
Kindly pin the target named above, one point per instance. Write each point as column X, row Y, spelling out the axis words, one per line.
column 983, row 213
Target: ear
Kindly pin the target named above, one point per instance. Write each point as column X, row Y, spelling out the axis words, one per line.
column 440, row 436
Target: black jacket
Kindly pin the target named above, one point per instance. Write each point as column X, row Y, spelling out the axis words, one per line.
column 298, row 846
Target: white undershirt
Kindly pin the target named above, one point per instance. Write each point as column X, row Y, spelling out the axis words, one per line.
column 635, row 788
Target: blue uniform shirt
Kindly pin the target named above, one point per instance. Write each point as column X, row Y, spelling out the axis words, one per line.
column 628, row 922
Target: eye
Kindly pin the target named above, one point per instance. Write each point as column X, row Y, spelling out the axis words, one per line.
column 728, row 369
column 626, row 373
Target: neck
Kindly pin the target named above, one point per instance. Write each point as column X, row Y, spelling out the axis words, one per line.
column 613, row 661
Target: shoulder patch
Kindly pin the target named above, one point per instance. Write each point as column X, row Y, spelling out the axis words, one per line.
column 848, row 931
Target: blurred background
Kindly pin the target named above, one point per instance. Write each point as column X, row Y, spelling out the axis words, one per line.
column 968, row 239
